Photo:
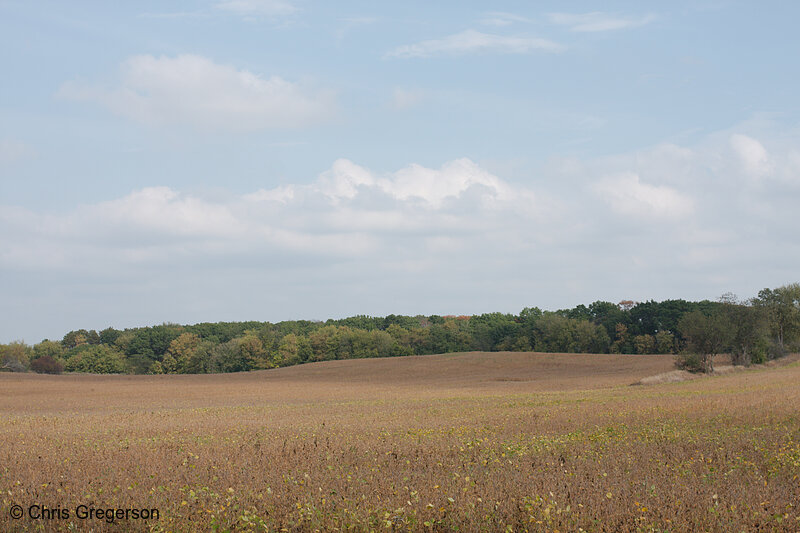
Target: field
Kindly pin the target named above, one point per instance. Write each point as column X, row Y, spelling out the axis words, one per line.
column 468, row 442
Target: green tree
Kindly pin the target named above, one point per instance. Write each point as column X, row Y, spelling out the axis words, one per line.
column 496, row 331
column 123, row 341
column 109, row 335
column 782, row 307
column 557, row 333
column 665, row 342
column 382, row 344
column 608, row 315
column 98, row 359
column 188, row 354
column 153, row 342
column 621, row 339
column 252, row 350
column 400, row 335
column 48, row 348
column 749, row 330
column 169, row 365
column 156, row 368
column 75, row 338
column 325, row 343
column 644, row 344
column 521, row 344
column 644, row 318
column 228, row 357
column 288, row 351
column 706, row 335
column 590, row 337
column 671, row 311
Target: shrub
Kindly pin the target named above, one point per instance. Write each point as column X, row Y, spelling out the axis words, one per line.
column 47, row 365
column 14, row 356
column 691, row 362
column 776, row 351
column 759, row 353
column 12, row 365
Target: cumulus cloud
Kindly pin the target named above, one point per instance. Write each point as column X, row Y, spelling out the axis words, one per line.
column 194, row 90
column 347, row 210
column 752, row 155
column 423, row 239
column 163, row 211
column 471, row 41
column 598, row 21
column 627, row 195
column 422, row 186
column 352, row 211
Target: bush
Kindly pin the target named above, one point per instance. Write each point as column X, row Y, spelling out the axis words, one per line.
column 47, row 365
column 12, row 365
column 14, row 356
column 776, row 351
column 759, row 353
column 691, row 362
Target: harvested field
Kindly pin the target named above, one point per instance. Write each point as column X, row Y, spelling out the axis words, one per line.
column 474, row 442
column 416, row 376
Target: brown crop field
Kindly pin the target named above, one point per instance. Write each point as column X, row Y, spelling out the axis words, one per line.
column 467, row 442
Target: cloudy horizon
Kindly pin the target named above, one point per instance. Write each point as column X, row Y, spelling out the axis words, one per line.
column 278, row 160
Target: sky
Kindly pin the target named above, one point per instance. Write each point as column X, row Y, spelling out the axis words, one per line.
column 227, row 160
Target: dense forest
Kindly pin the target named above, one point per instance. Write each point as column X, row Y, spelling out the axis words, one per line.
column 752, row 331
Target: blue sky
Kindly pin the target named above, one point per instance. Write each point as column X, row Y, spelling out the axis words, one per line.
column 284, row 159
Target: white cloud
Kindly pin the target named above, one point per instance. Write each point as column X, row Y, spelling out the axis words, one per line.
column 471, row 41
column 598, row 21
column 347, row 210
column 282, row 195
column 193, row 90
column 258, row 7
column 668, row 221
column 451, row 181
column 420, row 185
column 752, row 155
column 343, row 180
column 164, row 211
column 627, row 195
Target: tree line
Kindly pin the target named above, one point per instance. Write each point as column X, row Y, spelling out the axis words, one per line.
column 752, row 331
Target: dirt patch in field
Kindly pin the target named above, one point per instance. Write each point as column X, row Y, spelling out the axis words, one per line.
column 677, row 376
